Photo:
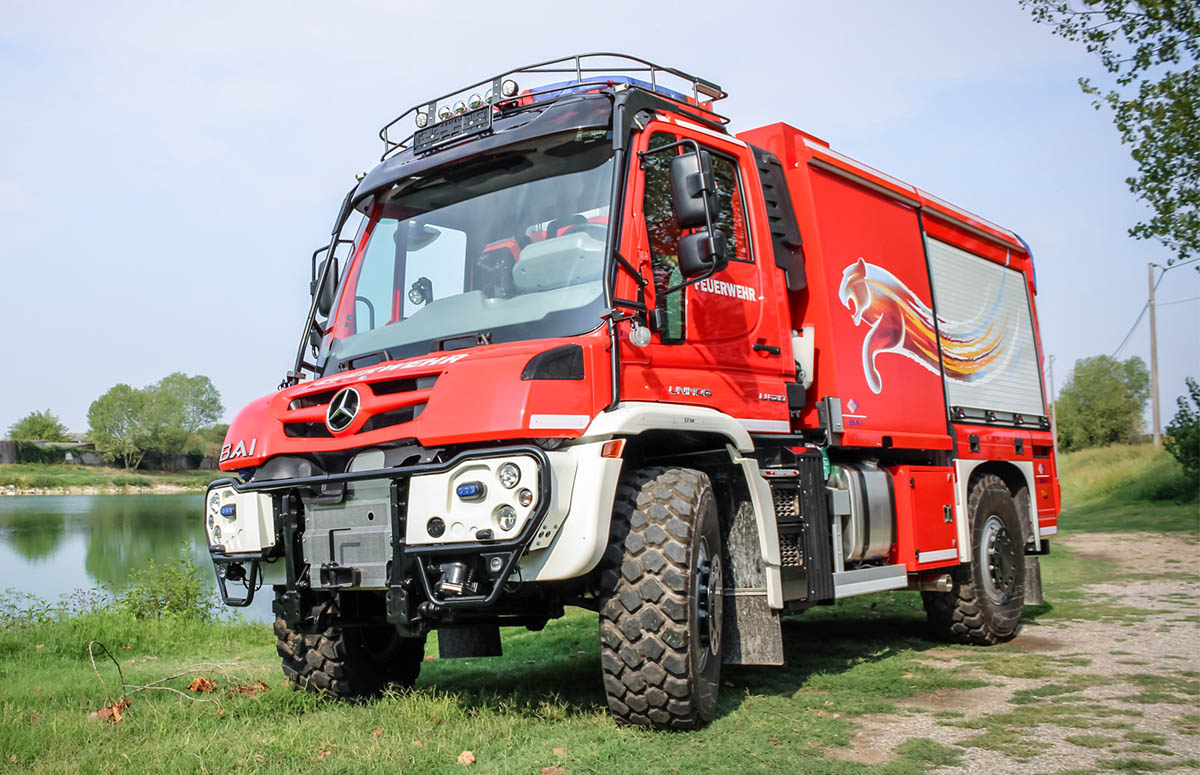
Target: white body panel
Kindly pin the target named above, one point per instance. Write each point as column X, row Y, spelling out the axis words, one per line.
column 962, row 476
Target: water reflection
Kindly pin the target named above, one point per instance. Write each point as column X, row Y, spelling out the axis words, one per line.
column 52, row 545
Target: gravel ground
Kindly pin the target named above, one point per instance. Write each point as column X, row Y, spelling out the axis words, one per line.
column 1128, row 679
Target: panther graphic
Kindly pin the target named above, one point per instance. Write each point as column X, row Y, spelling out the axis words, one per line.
column 901, row 323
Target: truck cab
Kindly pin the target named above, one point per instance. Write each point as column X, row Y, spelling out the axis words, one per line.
column 576, row 344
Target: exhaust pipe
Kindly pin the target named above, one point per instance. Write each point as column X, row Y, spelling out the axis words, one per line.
column 941, row 583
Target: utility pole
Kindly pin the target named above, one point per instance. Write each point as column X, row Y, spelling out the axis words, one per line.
column 1053, row 407
column 1153, row 361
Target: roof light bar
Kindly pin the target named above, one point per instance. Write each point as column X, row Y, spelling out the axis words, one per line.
column 591, row 72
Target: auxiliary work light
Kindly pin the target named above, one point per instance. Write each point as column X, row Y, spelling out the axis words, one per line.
column 422, row 120
column 509, row 474
column 506, row 517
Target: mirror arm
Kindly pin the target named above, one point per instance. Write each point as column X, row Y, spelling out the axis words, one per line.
column 712, row 270
column 631, row 269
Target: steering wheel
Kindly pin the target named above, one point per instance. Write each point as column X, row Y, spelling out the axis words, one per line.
column 597, row 231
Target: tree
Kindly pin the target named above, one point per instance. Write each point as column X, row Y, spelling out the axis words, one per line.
column 115, row 425
column 1102, row 402
column 199, row 402
column 1152, row 50
column 38, row 426
column 176, row 407
column 1183, row 432
column 127, row 424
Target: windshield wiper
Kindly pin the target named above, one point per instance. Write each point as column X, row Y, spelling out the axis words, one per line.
column 468, row 340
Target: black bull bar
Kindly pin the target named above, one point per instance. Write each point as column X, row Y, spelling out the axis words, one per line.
column 406, row 561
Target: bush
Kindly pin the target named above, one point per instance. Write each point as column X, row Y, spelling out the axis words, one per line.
column 28, row 452
column 173, row 588
column 1183, row 432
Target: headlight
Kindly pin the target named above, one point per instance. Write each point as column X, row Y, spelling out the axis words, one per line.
column 509, row 475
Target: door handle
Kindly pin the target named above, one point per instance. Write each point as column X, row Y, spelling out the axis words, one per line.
column 767, row 348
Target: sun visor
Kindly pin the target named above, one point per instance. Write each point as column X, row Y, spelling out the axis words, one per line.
column 587, row 111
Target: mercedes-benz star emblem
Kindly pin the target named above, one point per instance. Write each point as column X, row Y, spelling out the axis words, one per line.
column 342, row 410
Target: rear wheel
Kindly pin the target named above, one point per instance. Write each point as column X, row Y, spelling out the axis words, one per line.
column 349, row 662
column 984, row 607
column 660, row 619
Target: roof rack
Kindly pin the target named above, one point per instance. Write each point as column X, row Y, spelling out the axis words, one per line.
column 593, row 70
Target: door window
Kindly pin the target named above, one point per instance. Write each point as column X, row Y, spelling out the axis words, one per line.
column 663, row 232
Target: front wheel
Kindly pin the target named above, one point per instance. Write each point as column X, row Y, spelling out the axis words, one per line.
column 660, row 617
column 349, row 662
column 984, row 607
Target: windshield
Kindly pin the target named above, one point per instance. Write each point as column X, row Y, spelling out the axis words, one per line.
column 509, row 246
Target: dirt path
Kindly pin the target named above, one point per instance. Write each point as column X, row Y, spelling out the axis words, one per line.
column 1116, row 689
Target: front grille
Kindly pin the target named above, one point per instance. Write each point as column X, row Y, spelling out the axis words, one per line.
column 394, row 417
column 312, row 399
column 306, row 430
column 407, row 385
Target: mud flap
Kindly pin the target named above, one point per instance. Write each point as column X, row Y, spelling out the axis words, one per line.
column 750, row 630
column 1033, row 582
column 477, row 640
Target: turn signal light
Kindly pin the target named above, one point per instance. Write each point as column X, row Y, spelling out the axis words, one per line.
column 613, row 448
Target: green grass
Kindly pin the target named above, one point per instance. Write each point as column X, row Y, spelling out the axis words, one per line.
column 1126, row 487
column 511, row 712
column 542, row 705
column 63, row 476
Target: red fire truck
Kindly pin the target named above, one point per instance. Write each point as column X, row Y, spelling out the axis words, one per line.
column 573, row 343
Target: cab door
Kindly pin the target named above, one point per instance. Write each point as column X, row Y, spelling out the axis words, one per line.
column 720, row 341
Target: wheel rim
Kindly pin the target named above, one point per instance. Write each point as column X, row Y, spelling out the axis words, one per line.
column 1000, row 561
column 708, row 603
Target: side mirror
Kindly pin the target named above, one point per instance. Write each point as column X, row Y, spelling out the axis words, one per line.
column 696, row 254
column 691, row 186
column 325, row 294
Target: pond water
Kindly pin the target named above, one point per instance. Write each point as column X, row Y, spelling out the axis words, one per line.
column 52, row 545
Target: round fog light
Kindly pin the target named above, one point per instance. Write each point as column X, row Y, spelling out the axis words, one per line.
column 495, row 565
column 509, row 474
column 524, row 496
column 506, row 517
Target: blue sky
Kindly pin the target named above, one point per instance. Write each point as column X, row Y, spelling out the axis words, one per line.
column 166, row 169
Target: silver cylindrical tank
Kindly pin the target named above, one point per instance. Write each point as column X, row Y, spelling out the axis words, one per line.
column 869, row 529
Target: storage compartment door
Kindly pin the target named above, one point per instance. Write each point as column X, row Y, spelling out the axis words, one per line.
column 986, row 335
column 927, row 536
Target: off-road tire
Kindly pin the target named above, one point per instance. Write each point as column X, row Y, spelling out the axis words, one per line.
column 660, row 659
column 351, row 662
column 970, row 613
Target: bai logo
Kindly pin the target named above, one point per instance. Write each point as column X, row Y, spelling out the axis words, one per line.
column 229, row 452
column 850, row 417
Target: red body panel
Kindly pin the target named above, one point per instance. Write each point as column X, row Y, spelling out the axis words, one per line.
column 924, row 517
column 479, row 396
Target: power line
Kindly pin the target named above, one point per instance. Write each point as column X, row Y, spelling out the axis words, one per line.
column 1177, row 301
column 1132, row 328
column 1146, row 306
